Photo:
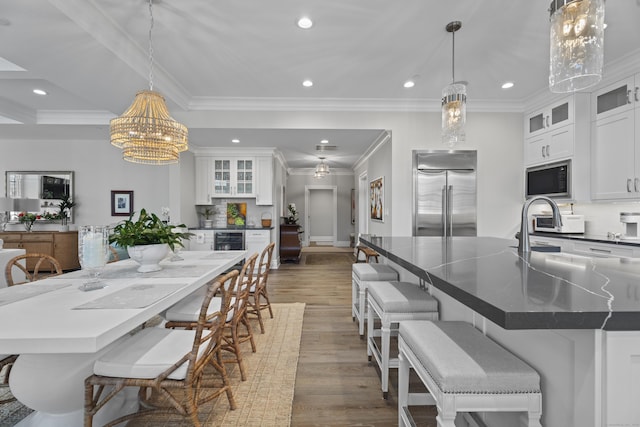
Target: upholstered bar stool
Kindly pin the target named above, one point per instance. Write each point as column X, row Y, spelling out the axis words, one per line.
column 361, row 276
column 464, row 371
column 393, row 302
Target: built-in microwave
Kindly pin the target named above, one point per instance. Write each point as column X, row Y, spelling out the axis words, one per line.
column 552, row 180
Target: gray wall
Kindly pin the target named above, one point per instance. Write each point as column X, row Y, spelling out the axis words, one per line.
column 295, row 193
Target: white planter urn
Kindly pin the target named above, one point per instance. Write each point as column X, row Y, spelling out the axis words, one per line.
column 149, row 256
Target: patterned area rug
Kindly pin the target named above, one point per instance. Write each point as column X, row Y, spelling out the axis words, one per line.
column 328, row 258
column 264, row 400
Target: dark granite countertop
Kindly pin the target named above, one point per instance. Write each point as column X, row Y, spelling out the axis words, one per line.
column 588, row 238
column 230, row 228
column 541, row 291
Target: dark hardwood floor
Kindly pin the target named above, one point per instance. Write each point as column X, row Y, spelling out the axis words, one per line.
column 335, row 384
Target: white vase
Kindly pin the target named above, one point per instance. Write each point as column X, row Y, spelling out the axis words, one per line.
column 149, row 256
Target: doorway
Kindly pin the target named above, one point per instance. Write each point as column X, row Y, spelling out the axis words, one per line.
column 321, row 208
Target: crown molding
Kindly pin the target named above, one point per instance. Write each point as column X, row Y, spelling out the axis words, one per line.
column 16, row 113
column 312, row 171
column 232, row 151
column 382, row 139
column 200, row 103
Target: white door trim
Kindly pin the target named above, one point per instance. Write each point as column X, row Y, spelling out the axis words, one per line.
column 307, row 225
column 363, row 204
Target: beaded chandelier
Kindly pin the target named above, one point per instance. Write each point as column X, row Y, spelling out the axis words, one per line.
column 146, row 132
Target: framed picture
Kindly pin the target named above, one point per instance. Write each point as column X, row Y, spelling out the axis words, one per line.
column 376, row 196
column 121, row 203
column 353, row 206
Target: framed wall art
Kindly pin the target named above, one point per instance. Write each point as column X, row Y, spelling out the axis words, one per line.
column 121, row 203
column 376, row 199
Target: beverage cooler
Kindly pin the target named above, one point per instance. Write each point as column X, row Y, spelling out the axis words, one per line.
column 228, row 240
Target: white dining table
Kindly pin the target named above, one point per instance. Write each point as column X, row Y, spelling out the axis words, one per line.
column 59, row 330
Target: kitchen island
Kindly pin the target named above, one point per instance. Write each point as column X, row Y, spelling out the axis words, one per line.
column 575, row 319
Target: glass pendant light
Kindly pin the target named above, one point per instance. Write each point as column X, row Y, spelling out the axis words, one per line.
column 322, row 169
column 146, row 132
column 454, row 100
column 576, row 44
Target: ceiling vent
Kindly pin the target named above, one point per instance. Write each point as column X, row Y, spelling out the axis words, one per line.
column 325, row 147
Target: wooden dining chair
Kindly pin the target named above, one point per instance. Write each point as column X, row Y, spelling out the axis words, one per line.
column 45, row 266
column 237, row 328
column 259, row 290
column 168, row 362
column 237, row 319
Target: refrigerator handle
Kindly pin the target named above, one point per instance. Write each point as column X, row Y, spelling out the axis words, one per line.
column 445, row 203
column 450, row 210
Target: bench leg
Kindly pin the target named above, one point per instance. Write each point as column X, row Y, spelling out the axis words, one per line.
column 370, row 333
column 384, row 370
column 354, row 298
column 403, row 387
column 362, row 304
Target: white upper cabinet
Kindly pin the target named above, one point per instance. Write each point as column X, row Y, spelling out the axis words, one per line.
column 554, row 116
column 203, row 185
column 615, row 142
column 264, row 180
column 233, row 175
column 616, row 98
column 552, row 133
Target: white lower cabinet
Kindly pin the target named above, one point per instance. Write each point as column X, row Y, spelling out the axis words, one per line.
column 256, row 240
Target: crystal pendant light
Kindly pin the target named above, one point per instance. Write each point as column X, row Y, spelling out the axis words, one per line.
column 146, row 132
column 576, row 44
column 454, row 100
column 322, row 169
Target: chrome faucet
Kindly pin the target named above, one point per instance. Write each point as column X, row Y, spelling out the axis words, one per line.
column 524, row 246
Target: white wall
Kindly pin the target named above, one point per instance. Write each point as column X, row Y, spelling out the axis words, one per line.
column 98, row 168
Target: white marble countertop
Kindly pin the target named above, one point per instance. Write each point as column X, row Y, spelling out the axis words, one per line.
column 69, row 320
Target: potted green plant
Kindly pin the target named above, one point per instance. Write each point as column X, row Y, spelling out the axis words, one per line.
column 207, row 213
column 148, row 236
column 64, row 209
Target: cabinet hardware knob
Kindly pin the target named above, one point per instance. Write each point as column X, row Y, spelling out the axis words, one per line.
column 636, row 184
column 543, row 151
column 636, row 95
column 629, row 96
column 547, row 121
column 548, row 151
column 629, row 185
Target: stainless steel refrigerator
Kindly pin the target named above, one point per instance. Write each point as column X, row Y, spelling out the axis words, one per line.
column 445, row 193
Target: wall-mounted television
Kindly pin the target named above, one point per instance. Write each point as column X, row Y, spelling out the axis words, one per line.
column 53, row 187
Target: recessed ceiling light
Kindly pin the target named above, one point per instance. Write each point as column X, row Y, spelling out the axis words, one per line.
column 235, row 141
column 39, row 92
column 305, row 23
column 324, row 141
column 507, row 85
column 409, row 83
column 307, row 83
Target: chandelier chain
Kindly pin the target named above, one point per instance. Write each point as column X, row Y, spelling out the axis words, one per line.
column 453, row 57
column 150, row 46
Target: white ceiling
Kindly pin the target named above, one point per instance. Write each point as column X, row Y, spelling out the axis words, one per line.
column 91, row 56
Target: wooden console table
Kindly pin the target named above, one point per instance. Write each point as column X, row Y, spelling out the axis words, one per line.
column 290, row 242
column 62, row 245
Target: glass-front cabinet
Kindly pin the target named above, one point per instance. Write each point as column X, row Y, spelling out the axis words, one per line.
column 550, row 117
column 222, row 175
column 233, row 177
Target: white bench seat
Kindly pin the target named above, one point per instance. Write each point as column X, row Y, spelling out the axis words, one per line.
column 361, row 275
column 464, row 371
column 393, row 302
